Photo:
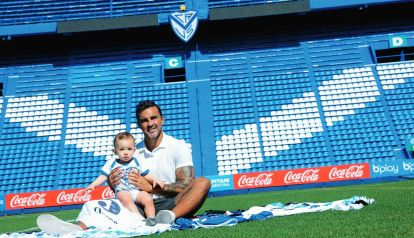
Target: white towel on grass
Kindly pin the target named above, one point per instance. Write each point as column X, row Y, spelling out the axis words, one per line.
column 277, row 209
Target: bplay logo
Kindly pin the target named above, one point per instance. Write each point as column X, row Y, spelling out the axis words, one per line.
column 396, row 167
column 408, row 167
column 385, row 169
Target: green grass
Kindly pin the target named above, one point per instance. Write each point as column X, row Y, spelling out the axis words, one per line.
column 391, row 215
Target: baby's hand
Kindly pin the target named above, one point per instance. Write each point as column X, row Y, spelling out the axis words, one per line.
column 90, row 187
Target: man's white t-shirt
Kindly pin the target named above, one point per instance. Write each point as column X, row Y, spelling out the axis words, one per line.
column 165, row 159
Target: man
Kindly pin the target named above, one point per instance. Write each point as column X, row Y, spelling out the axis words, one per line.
column 167, row 158
column 171, row 161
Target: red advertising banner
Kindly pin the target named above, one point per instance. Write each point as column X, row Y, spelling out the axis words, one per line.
column 301, row 176
column 241, row 181
column 56, row 198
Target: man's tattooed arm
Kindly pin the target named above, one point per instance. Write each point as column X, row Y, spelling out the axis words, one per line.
column 184, row 176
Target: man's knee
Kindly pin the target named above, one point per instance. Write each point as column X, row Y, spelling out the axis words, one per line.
column 203, row 183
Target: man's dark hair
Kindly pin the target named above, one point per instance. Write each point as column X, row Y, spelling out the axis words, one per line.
column 143, row 105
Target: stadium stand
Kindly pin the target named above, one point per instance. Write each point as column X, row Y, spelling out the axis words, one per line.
column 266, row 98
column 15, row 12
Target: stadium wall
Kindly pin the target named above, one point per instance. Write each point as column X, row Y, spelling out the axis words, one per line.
column 271, row 105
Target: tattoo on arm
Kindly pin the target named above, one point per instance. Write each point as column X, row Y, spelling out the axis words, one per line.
column 184, row 176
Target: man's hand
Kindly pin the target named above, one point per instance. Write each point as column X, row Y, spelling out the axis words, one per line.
column 114, row 177
column 139, row 181
column 158, row 183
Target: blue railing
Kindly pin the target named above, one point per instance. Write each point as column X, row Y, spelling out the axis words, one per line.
column 236, row 3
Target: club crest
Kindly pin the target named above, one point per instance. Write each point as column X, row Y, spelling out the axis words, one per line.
column 184, row 24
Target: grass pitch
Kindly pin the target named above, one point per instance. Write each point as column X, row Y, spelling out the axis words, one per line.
column 391, row 215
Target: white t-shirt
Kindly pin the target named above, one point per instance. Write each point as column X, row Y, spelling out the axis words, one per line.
column 126, row 168
column 165, row 159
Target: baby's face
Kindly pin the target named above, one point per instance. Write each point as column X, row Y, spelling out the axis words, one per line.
column 125, row 149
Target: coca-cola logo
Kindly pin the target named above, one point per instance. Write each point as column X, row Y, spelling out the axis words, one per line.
column 80, row 196
column 354, row 171
column 263, row 179
column 309, row 175
column 107, row 193
column 34, row 200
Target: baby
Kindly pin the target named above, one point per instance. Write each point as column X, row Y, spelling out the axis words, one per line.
column 128, row 194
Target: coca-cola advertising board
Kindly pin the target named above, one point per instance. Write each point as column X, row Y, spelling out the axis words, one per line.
column 302, row 176
column 56, row 198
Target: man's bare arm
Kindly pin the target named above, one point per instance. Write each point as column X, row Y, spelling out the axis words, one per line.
column 184, row 176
